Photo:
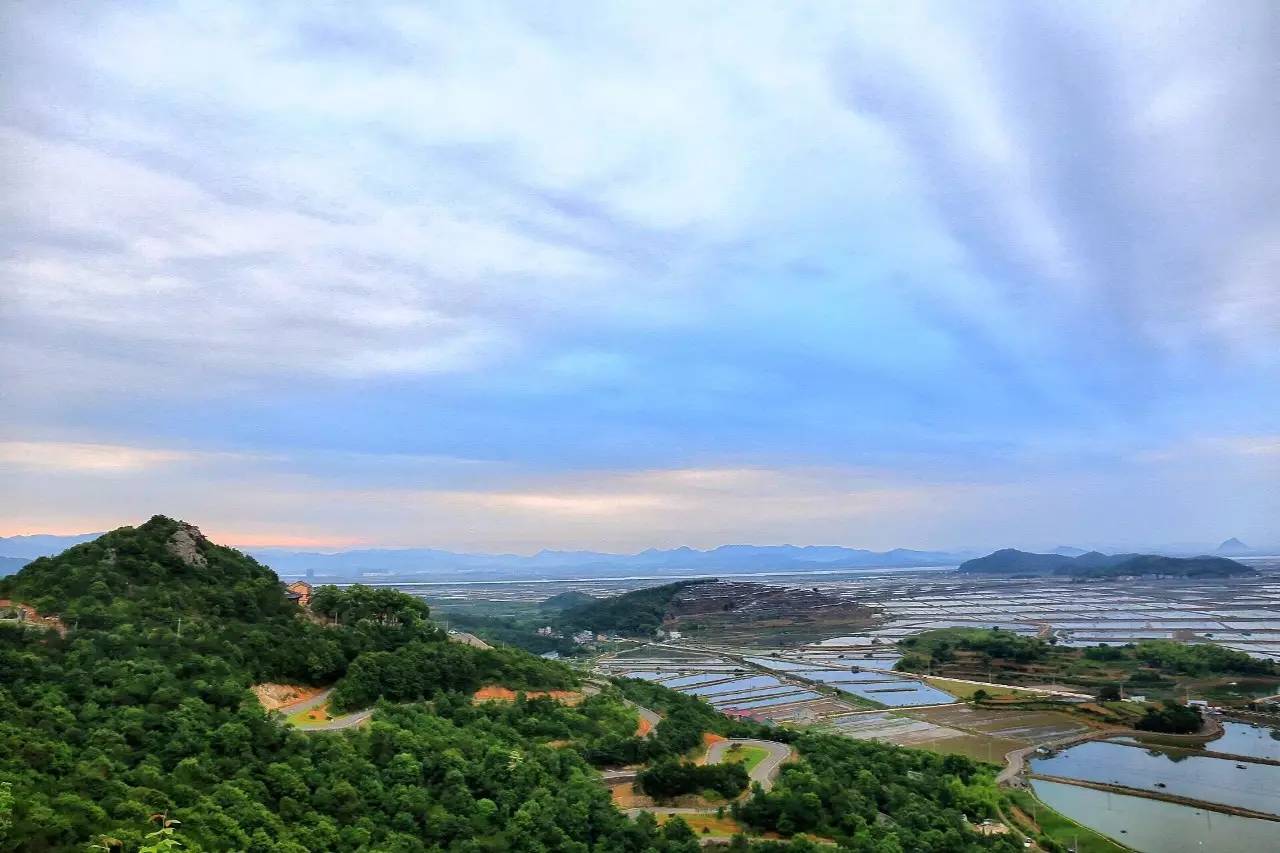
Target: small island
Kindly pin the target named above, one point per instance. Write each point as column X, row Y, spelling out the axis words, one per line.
column 1012, row 562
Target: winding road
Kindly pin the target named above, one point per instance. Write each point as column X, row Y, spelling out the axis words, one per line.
column 346, row 721
column 651, row 717
column 767, row 770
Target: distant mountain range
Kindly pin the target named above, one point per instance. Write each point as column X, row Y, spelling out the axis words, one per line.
column 1011, row 561
column 743, row 558
column 41, row 544
column 16, row 551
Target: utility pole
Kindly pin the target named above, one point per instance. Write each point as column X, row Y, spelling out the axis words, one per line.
column 179, row 627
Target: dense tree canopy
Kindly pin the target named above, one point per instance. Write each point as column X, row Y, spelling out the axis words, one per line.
column 671, row 778
column 133, row 728
column 845, row 789
column 1171, row 718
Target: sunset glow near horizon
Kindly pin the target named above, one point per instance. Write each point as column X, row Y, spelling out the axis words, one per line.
column 501, row 277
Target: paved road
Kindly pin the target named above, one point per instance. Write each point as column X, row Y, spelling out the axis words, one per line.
column 645, row 713
column 764, row 772
column 306, row 704
column 346, row 721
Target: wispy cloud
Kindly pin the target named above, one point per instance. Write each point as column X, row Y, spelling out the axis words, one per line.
column 88, row 458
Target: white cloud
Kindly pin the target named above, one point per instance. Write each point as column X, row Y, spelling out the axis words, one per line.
column 72, row 457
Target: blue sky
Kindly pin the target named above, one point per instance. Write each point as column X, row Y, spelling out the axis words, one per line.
column 512, row 276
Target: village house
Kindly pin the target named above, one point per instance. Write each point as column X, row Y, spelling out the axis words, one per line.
column 299, row 591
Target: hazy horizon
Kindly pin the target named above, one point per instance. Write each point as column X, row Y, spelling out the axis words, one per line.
column 1183, row 547
column 505, row 277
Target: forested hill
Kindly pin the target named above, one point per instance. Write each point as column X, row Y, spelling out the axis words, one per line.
column 140, row 705
column 638, row 613
column 154, row 571
column 1011, row 561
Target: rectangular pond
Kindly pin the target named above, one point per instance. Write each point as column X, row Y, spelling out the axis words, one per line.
column 735, row 686
column 908, row 695
column 1153, row 826
column 1213, row 780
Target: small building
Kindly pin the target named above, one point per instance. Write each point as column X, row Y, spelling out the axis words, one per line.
column 674, row 635
column 299, row 591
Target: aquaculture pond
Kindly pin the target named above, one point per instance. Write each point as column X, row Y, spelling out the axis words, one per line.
column 1214, row 780
column 1248, row 739
column 1153, row 826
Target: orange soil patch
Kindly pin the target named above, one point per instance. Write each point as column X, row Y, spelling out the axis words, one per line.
column 698, row 822
column 32, row 616
column 318, row 714
column 643, row 727
column 708, row 738
column 494, row 693
column 625, row 796
column 276, row 696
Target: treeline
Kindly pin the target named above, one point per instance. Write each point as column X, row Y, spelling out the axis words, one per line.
column 639, row 613
column 940, row 646
column 520, row 631
column 874, row 797
column 671, row 777
column 1201, row 659
column 1171, row 718
column 358, row 603
column 421, row 670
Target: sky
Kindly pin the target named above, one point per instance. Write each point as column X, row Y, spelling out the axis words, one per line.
column 511, row 276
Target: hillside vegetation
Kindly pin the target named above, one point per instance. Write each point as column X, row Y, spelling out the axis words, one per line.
column 638, row 613
column 136, row 718
column 1151, row 667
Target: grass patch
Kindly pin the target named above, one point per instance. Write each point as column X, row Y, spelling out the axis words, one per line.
column 978, row 747
column 748, row 756
column 860, row 701
column 964, row 690
column 1060, row 828
column 705, row 824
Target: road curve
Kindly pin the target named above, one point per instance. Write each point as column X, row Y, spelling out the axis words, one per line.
column 764, row 772
column 346, row 721
column 652, row 717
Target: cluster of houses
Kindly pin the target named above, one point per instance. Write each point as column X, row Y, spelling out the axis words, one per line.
column 581, row 638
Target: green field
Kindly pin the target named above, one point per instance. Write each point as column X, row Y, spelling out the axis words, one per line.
column 748, row 756
column 965, row 690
